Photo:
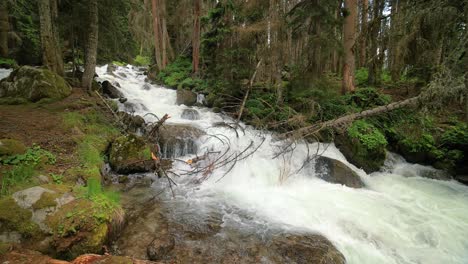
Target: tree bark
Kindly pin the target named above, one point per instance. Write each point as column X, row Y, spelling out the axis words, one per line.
column 164, row 33
column 91, row 45
column 348, row 43
column 157, row 34
column 196, row 36
column 310, row 130
column 51, row 53
column 4, row 28
column 374, row 76
column 363, row 35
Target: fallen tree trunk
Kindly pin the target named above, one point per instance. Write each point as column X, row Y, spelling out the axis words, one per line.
column 313, row 129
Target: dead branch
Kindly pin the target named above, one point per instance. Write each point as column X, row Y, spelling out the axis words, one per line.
column 314, row 129
column 241, row 110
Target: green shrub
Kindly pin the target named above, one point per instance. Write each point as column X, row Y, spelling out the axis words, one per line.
column 142, row 60
column 33, row 156
column 361, row 76
column 456, row 135
column 8, row 62
column 365, row 98
column 367, row 134
column 424, row 143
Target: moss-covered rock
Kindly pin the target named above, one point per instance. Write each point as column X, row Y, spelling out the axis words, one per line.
column 10, row 147
column 130, row 154
column 363, row 145
column 14, row 218
column 34, row 84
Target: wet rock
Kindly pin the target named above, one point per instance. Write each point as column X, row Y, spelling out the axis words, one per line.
column 178, row 140
column 10, row 147
column 335, row 171
column 34, row 84
column 134, row 123
column 110, row 90
column 312, row 248
column 122, row 74
column 130, row 154
column 186, row 97
column 190, row 114
column 111, row 68
column 160, row 247
column 123, row 100
column 146, row 87
column 435, row 174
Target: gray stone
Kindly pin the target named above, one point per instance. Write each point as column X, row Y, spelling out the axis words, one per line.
column 190, row 114
column 186, row 97
column 335, row 171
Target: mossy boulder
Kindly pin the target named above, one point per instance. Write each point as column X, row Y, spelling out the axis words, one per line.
column 82, row 226
column 130, row 154
column 10, row 147
column 186, row 97
column 15, row 219
column 363, row 145
column 34, row 84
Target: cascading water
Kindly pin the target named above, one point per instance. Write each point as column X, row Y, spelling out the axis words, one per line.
column 399, row 217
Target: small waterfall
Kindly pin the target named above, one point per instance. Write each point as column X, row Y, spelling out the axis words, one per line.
column 397, row 217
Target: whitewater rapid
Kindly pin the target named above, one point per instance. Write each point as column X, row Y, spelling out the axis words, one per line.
column 399, row 217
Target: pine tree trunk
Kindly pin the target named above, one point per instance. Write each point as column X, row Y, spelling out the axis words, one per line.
column 394, row 53
column 164, row 33
column 91, row 45
column 374, row 77
column 196, row 36
column 4, row 28
column 363, row 35
column 51, row 53
column 157, row 34
column 348, row 43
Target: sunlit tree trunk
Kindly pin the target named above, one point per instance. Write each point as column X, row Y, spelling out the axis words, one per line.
column 51, row 53
column 349, row 40
column 196, row 36
column 91, row 45
column 4, row 28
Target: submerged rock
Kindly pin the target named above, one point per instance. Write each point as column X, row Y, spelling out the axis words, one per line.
column 110, row 90
column 335, row 171
column 178, row 140
column 34, row 84
column 190, row 114
column 160, row 247
column 186, row 97
column 130, row 154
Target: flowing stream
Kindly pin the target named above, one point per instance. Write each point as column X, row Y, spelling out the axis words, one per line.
column 399, row 217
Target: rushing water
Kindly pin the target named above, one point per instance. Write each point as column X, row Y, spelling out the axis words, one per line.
column 399, row 217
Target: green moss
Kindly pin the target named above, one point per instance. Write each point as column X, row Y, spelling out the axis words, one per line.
column 10, row 147
column 15, row 218
column 13, row 101
column 47, row 200
column 369, row 136
column 4, row 247
column 142, row 60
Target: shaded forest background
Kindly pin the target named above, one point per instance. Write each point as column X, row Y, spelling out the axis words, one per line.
column 290, row 63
